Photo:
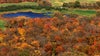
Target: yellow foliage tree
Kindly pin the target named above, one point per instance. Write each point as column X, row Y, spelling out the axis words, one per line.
column 21, row 31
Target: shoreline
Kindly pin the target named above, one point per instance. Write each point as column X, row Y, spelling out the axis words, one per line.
column 74, row 11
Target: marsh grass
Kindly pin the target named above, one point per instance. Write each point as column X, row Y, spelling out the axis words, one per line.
column 2, row 24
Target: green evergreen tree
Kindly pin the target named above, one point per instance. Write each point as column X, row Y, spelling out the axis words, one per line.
column 77, row 4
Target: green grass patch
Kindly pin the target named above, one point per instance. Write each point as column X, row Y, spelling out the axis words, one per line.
column 85, row 12
column 2, row 24
column 60, row 2
column 20, row 4
column 81, row 12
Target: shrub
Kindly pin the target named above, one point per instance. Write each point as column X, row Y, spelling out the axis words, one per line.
column 24, row 53
column 73, row 15
column 65, row 5
column 98, row 13
column 77, row 4
column 58, row 14
column 98, row 3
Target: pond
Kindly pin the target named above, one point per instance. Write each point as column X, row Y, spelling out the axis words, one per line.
column 27, row 14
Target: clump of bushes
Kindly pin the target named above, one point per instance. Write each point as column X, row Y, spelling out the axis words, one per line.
column 73, row 15
column 58, row 14
column 77, row 4
column 17, row 7
column 98, row 13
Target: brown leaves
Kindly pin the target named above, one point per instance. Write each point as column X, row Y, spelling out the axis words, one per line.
column 80, row 40
column 48, row 47
column 3, row 44
column 23, row 45
column 47, row 26
column 52, row 35
column 54, row 28
column 4, row 50
column 2, row 36
column 57, row 38
column 59, row 49
column 36, row 43
column 98, row 46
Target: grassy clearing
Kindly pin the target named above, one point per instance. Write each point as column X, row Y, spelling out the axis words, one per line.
column 27, row 10
column 2, row 24
column 78, row 0
column 81, row 12
column 60, row 2
column 21, row 4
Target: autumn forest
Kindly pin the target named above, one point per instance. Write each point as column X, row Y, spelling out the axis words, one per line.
column 49, row 28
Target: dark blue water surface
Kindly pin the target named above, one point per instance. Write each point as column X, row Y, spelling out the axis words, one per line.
column 27, row 14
